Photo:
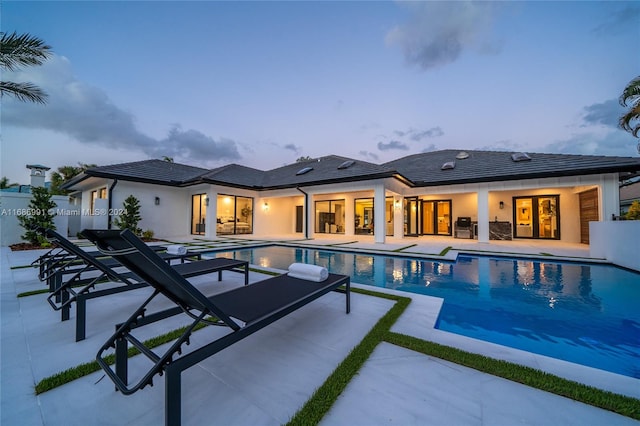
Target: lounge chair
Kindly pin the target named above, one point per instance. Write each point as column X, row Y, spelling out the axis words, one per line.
column 244, row 310
column 78, row 289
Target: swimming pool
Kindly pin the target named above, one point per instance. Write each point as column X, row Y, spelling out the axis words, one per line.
column 586, row 314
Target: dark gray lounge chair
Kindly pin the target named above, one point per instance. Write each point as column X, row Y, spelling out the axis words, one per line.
column 78, row 289
column 244, row 310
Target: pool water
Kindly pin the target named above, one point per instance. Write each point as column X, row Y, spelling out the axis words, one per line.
column 586, row 314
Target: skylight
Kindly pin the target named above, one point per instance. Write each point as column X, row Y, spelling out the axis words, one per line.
column 346, row 164
column 304, row 171
column 448, row 165
column 462, row 155
column 520, row 156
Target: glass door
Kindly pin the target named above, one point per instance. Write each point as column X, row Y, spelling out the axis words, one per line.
column 537, row 217
column 548, row 217
column 411, row 215
column 198, row 213
column 436, row 217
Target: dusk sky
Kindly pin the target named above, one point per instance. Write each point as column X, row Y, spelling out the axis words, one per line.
column 264, row 83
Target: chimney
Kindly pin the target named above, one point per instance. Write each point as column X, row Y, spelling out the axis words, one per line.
column 37, row 174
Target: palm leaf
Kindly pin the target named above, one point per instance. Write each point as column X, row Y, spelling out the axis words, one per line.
column 22, row 50
column 23, row 91
column 630, row 92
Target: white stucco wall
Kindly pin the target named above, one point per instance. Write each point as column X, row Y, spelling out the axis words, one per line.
column 12, row 203
column 616, row 241
column 170, row 218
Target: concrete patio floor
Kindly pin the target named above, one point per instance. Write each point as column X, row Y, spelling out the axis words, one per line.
column 266, row 378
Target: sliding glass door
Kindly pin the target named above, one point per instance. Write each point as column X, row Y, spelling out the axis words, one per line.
column 330, row 217
column 411, row 214
column 235, row 215
column 436, row 217
column 198, row 213
column 537, row 217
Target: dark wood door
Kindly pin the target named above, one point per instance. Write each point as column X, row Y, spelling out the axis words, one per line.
column 588, row 213
column 299, row 218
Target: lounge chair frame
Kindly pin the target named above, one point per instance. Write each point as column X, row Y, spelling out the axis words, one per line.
column 66, row 293
column 244, row 310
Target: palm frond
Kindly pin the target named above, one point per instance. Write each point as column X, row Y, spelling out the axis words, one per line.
column 22, row 50
column 23, row 91
column 630, row 92
column 632, row 116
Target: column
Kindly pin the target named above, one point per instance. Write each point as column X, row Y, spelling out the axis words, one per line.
column 212, row 214
column 483, row 215
column 380, row 225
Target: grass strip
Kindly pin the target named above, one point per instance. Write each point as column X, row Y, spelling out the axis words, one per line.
column 445, row 251
column 326, row 395
column 340, row 244
column 33, row 292
column 85, row 369
column 624, row 405
column 404, row 248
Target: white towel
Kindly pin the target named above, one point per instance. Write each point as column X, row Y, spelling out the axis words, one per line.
column 176, row 249
column 308, row 272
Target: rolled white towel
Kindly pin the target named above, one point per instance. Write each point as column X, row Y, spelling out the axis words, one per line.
column 176, row 249
column 308, row 272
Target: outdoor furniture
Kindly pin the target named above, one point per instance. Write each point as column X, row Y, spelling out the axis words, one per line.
column 244, row 310
column 78, row 289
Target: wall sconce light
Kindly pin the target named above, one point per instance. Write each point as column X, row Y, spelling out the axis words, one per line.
column 501, row 205
column 265, row 206
column 396, row 204
column 157, row 201
column 206, row 201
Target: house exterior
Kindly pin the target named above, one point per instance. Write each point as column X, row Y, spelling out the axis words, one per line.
column 484, row 195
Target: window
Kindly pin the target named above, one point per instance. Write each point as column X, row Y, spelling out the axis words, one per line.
column 304, row 171
column 234, row 215
column 346, row 164
column 448, row 165
column 99, row 193
column 537, row 217
column 520, row 156
column 330, row 217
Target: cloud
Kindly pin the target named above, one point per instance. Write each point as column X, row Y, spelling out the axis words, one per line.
column 86, row 114
column 619, row 22
column 292, row 147
column 430, row 148
column 505, row 145
column 607, row 113
column 437, row 33
column 194, row 145
column 433, row 132
column 610, row 142
column 370, row 156
column 392, row 145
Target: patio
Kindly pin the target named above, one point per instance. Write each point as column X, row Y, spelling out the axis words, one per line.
column 266, row 378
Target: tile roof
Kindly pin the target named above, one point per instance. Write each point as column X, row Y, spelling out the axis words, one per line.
column 148, row 171
column 235, row 175
column 323, row 170
column 425, row 169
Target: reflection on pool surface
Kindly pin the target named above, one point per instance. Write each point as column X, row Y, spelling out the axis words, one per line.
column 587, row 314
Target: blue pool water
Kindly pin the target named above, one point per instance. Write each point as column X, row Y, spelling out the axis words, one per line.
column 586, row 314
